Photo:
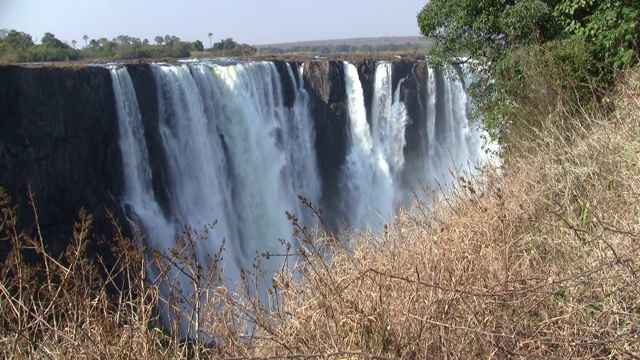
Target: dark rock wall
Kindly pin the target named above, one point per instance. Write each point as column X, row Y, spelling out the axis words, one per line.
column 325, row 83
column 288, row 87
column 413, row 93
column 366, row 73
column 58, row 134
column 442, row 127
column 146, row 93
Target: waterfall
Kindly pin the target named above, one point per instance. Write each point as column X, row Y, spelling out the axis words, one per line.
column 389, row 119
column 138, row 198
column 232, row 154
column 375, row 154
column 300, row 139
column 454, row 143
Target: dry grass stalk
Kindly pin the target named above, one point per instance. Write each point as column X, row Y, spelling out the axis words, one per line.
column 60, row 308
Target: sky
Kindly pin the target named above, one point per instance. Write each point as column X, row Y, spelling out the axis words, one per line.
column 255, row 22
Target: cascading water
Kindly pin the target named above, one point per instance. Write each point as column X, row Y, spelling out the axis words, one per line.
column 467, row 143
column 453, row 145
column 374, row 156
column 232, row 152
column 139, row 201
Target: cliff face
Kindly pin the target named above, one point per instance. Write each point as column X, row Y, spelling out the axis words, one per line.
column 414, row 96
column 325, row 83
column 59, row 134
column 144, row 84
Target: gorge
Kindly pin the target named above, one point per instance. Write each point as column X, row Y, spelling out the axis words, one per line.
column 232, row 142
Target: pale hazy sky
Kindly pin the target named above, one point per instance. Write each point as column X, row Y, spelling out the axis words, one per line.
column 246, row 21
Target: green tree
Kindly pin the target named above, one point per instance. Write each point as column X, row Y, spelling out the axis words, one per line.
column 123, row 40
column 484, row 30
column 366, row 48
column 522, row 47
column 210, row 36
column 228, row 44
column 159, row 40
column 18, row 40
column 342, row 48
column 218, row 46
column 85, row 38
column 198, row 46
column 107, row 48
column 94, row 45
column 179, row 49
column 610, row 27
column 326, row 49
column 49, row 40
column 245, row 49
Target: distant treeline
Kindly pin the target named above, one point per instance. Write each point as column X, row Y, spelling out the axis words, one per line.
column 19, row 47
column 345, row 49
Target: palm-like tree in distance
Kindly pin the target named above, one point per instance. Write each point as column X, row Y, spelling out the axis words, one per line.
column 85, row 38
column 210, row 36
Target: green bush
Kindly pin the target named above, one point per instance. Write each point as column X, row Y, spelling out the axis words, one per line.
column 532, row 81
column 534, row 54
column 611, row 28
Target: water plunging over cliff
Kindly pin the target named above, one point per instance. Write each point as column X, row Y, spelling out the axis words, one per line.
column 234, row 146
column 375, row 157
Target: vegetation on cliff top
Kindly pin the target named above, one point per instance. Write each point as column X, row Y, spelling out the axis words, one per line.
column 19, row 47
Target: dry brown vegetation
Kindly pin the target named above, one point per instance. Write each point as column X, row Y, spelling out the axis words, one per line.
column 536, row 260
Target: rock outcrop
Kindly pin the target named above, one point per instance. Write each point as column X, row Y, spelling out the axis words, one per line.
column 366, row 73
column 288, row 90
column 58, row 136
column 325, row 83
column 414, row 96
column 144, row 84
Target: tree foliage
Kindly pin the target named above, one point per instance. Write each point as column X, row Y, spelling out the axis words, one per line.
column 228, row 47
column 486, row 29
column 407, row 47
column 612, row 27
column 18, row 40
column 18, row 47
column 49, row 40
column 580, row 42
column 197, row 45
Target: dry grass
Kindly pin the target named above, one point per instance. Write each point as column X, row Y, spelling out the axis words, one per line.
column 60, row 308
column 538, row 260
